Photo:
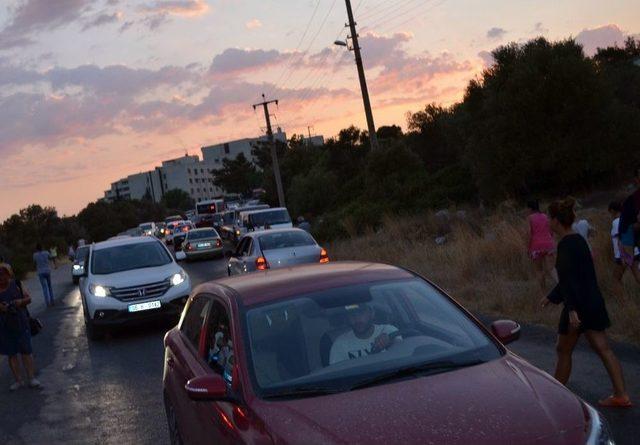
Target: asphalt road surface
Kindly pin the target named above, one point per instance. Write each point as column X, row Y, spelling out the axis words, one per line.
column 110, row 391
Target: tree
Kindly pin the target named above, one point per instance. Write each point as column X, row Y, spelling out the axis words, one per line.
column 237, row 176
column 177, row 199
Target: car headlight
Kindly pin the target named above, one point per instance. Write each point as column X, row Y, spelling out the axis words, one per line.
column 77, row 267
column 98, row 290
column 178, row 278
column 598, row 430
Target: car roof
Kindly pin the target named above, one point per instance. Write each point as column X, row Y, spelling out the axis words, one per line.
column 124, row 241
column 271, row 285
column 270, row 231
column 252, row 212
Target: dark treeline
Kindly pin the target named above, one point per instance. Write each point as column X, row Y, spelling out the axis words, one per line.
column 543, row 120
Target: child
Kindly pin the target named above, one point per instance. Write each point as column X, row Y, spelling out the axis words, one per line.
column 541, row 245
column 622, row 259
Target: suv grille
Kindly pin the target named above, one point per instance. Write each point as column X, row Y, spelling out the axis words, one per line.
column 142, row 292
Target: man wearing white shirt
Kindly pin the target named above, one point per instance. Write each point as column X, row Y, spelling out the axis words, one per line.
column 364, row 338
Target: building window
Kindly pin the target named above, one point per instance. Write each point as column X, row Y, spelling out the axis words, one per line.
column 190, row 181
column 202, row 171
column 198, row 190
column 226, row 148
column 192, row 192
column 211, row 189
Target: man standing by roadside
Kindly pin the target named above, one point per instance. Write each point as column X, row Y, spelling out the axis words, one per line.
column 629, row 229
column 41, row 259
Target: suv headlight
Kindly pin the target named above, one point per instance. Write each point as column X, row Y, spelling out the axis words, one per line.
column 178, row 278
column 598, row 430
column 99, row 290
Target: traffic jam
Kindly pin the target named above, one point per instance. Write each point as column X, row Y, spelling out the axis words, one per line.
column 293, row 347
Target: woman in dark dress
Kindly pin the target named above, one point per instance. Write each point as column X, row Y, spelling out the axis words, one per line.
column 584, row 308
column 15, row 334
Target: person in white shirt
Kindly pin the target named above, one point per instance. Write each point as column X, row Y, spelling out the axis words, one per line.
column 584, row 229
column 364, row 338
column 622, row 259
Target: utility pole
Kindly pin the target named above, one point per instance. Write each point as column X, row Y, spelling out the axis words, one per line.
column 363, row 80
column 274, row 153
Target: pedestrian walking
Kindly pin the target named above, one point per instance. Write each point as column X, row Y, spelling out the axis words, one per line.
column 41, row 259
column 584, row 307
column 629, row 228
column 53, row 255
column 541, row 245
column 623, row 261
column 15, row 332
column 303, row 224
column 71, row 253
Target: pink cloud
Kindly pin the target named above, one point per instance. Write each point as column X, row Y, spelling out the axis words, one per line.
column 188, row 8
column 600, row 37
column 37, row 15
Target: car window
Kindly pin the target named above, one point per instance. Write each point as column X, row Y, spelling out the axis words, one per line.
column 82, row 253
column 202, row 234
column 326, row 339
column 281, row 240
column 241, row 246
column 246, row 248
column 219, row 342
column 194, row 320
column 272, row 217
column 128, row 257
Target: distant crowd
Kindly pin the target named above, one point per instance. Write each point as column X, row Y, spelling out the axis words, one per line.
column 569, row 265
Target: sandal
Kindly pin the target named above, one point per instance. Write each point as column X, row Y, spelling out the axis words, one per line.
column 616, row 402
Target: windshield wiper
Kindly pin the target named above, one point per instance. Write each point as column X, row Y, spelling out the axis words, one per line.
column 303, row 391
column 421, row 369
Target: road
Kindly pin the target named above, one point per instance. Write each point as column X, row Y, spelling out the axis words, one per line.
column 111, row 391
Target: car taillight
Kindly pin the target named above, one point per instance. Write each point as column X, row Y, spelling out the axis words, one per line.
column 324, row 256
column 188, row 246
column 218, row 242
column 261, row 264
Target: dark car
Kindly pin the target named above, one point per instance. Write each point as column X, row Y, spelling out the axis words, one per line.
column 355, row 353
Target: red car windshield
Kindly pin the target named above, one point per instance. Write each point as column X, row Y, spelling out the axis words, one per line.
column 338, row 338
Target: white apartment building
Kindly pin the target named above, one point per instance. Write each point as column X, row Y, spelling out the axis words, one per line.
column 189, row 173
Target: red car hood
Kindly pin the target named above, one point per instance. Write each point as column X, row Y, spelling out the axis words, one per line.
column 506, row 401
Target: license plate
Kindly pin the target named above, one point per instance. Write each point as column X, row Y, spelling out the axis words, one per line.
column 144, row 306
column 203, row 245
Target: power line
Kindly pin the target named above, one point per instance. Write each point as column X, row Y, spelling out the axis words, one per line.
column 412, row 18
column 401, row 11
column 304, row 53
column 304, row 34
column 382, row 9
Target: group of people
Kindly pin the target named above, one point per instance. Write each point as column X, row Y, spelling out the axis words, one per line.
column 570, row 266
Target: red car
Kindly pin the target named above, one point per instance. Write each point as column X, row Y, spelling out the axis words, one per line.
column 355, row 353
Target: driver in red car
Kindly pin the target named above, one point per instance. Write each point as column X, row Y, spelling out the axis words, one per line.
column 365, row 337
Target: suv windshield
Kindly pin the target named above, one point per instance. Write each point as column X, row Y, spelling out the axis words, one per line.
column 271, row 218
column 146, row 226
column 128, row 257
column 202, row 234
column 281, row 240
column 324, row 341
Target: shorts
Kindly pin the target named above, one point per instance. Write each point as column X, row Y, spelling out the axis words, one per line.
column 596, row 322
column 14, row 343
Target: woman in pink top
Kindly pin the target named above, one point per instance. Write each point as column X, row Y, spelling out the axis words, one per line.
column 541, row 245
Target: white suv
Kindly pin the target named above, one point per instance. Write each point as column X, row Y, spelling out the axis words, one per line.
column 128, row 280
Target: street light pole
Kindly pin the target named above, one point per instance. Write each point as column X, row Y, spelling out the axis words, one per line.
column 363, row 80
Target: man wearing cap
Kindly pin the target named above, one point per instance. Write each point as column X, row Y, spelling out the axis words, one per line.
column 364, row 338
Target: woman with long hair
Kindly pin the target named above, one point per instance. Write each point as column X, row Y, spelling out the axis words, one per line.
column 584, row 308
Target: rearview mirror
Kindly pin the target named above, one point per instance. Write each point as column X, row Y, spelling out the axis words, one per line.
column 180, row 255
column 507, row 331
column 208, row 387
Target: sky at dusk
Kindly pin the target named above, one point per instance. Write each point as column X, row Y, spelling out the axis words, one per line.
column 94, row 90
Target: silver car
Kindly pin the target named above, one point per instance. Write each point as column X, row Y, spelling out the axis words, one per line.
column 275, row 249
column 202, row 243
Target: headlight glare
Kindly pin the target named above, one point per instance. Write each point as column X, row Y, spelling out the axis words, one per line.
column 177, row 279
column 98, row 290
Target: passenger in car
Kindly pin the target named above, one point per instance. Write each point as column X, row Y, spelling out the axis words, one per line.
column 364, row 338
column 220, row 347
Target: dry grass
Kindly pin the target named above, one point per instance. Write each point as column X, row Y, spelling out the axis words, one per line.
column 484, row 264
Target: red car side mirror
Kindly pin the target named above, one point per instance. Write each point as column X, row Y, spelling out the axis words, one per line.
column 506, row 331
column 208, row 387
